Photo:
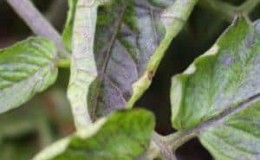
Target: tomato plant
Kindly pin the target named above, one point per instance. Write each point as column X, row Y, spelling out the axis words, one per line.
column 113, row 49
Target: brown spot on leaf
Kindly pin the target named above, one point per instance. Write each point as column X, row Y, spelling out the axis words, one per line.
column 151, row 75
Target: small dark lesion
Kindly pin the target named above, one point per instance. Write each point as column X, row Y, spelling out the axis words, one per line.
column 151, row 75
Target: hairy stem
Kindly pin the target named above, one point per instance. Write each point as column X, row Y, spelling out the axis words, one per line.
column 83, row 67
column 177, row 139
column 165, row 151
column 63, row 63
column 39, row 25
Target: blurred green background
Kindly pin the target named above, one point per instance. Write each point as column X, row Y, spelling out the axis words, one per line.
column 47, row 117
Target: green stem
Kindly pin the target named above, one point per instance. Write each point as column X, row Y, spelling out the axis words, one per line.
column 64, row 63
column 227, row 10
column 83, row 67
column 177, row 139
column 221, row 8
column 161, row 148
column 248, row 6
column 173, row 19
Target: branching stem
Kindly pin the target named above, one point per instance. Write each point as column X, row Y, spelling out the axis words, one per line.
column 177, row 139
column 165, row 151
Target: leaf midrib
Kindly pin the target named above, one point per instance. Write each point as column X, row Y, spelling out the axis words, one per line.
column 185, row 135
column 243, row 74
column 107, row 58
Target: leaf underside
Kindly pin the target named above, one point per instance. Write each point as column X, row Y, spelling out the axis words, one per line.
column 214, row 85
column 124, row 135
column 127, row 35
column 25, row 69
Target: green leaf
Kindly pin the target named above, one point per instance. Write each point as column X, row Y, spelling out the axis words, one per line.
column 225, row 76
column 124, row 135
column 26, row 69
column 131, row 39
column 210, row 97
column 238, row 137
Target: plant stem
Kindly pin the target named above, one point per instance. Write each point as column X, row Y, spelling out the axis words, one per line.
column 64, row 63
column 83, row 67
column 221, row 8
column 227, row 10
column 178, row 138
column 165, row 150
column 248, row 6
column 39, row 25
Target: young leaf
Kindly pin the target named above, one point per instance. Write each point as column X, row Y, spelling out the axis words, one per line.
column 131, row 39
column 121, row 136
column 25, row 69
column 209, row 97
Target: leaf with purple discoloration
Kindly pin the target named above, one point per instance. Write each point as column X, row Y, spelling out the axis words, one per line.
column 131, row 39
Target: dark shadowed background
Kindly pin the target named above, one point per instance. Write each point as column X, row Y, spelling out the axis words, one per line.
column 47, row 117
